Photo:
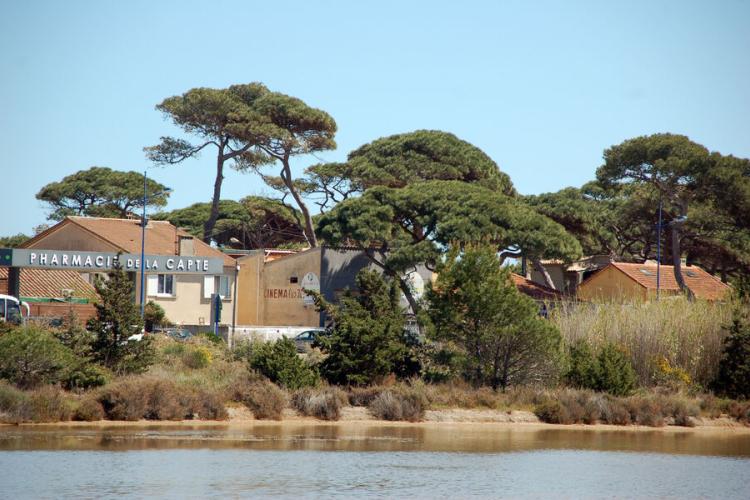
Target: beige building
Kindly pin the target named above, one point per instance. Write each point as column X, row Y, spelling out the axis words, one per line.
column 182, row 285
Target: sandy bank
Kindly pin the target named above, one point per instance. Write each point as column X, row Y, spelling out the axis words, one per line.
column 239, row 416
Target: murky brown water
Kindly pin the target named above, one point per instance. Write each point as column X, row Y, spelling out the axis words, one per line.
column 386, row 461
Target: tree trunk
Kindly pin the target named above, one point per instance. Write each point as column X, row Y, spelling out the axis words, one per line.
column 309, row 229
column 543, row 271
column 677, row 261
column 208, row 227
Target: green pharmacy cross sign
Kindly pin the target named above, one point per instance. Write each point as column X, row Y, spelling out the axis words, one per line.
column 6, row 256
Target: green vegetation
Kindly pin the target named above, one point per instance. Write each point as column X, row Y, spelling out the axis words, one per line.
column 30, row 356
column 733, row 378
column 154, row 316
column 101, row 192
column 278, row 361
column 475, row 306
column 367, row 341
column 117, row 320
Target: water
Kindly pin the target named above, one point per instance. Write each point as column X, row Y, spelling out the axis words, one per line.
column 303, row 460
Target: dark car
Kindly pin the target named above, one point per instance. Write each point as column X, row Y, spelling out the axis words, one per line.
column 305, row 339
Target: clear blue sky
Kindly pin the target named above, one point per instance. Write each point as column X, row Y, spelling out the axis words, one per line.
column 542, row 87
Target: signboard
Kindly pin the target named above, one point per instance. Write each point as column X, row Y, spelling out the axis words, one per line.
column 103, row 261
column 310, row 282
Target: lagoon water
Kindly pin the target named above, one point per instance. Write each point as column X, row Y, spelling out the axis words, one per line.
column 345, row 460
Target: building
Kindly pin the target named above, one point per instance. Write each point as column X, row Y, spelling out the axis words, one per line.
column 270, row 285
column 568, row 276
column 621, row 281
column 538, row 292
column 53, row 293
column 182, row 272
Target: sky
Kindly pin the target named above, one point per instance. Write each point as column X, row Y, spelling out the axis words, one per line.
column 542, row 87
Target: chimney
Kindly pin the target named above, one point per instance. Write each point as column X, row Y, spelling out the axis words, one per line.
column 186, row 246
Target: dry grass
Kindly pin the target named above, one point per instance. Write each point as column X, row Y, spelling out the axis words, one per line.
column 324, row 403
column 399, row 403
column 263, row 398
column 688, row 335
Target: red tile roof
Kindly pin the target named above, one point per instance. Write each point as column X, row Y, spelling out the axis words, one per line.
column 49, row 284
column 701, row 283
column 534, row 290
column 125, row 234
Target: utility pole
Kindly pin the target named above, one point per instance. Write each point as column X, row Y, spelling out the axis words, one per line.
column 143, row 249
column 658, row 251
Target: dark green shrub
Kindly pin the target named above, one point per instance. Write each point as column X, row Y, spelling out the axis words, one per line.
column 280, row 363
column 154, row 316
column 582, row 366
column 614, row 372
column 733, row 378
column 30, row 356
column 367, row 341
column 118, row 319
column 264, row 399
column 84, row 375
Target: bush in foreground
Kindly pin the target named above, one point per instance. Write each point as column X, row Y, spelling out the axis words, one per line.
column 398, row 405
column 31, row 356
column 279, row 362
column 263, row 398
column 733, row 379
column 324, row 404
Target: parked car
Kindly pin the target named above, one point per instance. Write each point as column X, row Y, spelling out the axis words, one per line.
column 305, row 339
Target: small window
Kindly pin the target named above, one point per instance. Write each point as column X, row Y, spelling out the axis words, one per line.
column 646, row 272
column 222, row 287
column 293, row 279
column 165, row 284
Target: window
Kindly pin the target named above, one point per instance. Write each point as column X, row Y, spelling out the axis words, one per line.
column 165, row 284
column 222, row 286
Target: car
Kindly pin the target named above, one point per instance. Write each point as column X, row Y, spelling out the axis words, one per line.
column 304, row 340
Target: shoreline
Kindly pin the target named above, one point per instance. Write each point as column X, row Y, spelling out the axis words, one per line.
column 434, row 419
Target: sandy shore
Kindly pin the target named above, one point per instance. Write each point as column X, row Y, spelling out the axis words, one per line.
column 240, row 416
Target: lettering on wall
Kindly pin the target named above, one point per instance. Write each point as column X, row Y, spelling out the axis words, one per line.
column 60, row 259
column 283, row 293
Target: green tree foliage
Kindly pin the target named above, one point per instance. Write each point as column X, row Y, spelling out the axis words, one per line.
column 280, row 363
column 671, row 164
column 117, row 319
column 614, row 372
column 13, row 241
column 154, row 316
column 401, row 228
column 82, row 372
column 610, row 371
column 733, row 379
column 253, row 222
column 30, row 356
column 475, row 305
column 402, row 159
column 209, row 115
column 582, row 366
column 290, row 128
column 101, row 192
column 366, row 341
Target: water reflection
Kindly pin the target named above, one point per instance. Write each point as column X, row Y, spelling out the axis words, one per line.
column 361, row 437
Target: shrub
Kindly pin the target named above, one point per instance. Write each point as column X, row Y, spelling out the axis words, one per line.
column 30, row 356
column 582, row 369
column 126, row 399
column 363, row 396
column 211, row 337
column 85, row 375
column 614, row 372
column 12, row 400
column 733, row 379
column 740, row 411
column 323, row 404
column 366, row 342
column 264, row 399
column 47, row 404
column 280, row 363
column 196, row 357
column 89, row 410
column 398, row 405
column 154, row 316
column 645, row 411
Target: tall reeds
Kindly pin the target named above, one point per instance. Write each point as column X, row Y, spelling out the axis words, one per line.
column 658, row 336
